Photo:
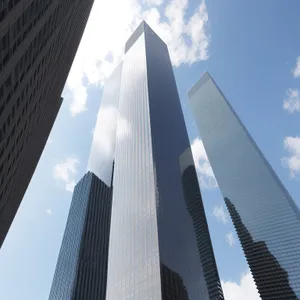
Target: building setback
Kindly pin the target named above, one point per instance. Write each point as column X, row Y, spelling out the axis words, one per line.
column 38, row 42
column 266, row 218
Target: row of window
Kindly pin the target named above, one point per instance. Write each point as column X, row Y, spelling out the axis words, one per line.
column 6, row 6
column 29, row 92
column 26, row 61
column 18, row 32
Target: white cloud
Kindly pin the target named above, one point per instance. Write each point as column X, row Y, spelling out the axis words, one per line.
column 292, row 102
column 102, row 45
column 230, row 239
column 292, row 145
column 187, row 38
column 49, row 212
column 244, row 290
column 204, row 170
column 220, row 214
column 70, row 186
column 66, row 171
column 104, row 130
column 153, row 2
column 296, row 71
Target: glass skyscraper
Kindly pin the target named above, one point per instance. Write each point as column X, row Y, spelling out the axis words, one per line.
column 266, row 218
column 159, row 243
column 81, row 268
column 159, row 246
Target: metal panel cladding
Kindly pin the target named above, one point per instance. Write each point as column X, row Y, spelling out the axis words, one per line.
column 154, row 250
column 103, row 146
column 266, row 218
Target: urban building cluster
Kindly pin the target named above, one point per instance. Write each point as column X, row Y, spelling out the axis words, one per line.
column 137, row 228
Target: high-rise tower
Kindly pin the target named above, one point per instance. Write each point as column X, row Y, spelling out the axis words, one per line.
column 156, row 246
column 266, row 218
column 159, row 243
column 38, row 42
column 81, row 269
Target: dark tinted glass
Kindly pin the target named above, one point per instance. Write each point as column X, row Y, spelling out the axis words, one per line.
column 81, row 269
column 66, row 267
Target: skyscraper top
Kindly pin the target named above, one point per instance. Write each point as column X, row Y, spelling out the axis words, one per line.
column 205, row 76
column 142, row 28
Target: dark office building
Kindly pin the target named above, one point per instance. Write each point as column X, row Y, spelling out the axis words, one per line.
column 156, row 233
column 81, row 269
column 38, row 42
column 266, row 218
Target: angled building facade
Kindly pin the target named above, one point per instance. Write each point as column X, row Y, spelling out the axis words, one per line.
column 38, row 42
column 265, row 216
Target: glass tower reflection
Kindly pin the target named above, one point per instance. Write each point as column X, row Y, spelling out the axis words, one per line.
column 104, row 139
column 263, row 262
column 159, row 246
column 266, row 218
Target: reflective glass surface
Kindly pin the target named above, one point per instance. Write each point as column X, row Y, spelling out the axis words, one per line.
column 266, row 218
column 103, row 146
column 66, row 266
column 133, row 262
column 159, row 241
column 81, row 269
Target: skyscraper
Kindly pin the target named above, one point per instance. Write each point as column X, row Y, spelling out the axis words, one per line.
column 82, row 263
column 159, row 243
column 38, row 42
column 156, row 245
column 81, row 269
column 266, row 218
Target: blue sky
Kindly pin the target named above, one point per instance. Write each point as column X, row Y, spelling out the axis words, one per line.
column 251, row 48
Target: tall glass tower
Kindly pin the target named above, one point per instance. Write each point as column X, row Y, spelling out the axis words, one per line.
column 159, row 243
column 159, row 246
column 266, row 218
column 81, row 269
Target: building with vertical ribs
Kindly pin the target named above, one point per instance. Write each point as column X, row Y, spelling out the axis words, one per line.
column 266, row 218
column 82, row 263
column 159, row 243
column 38, row 42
